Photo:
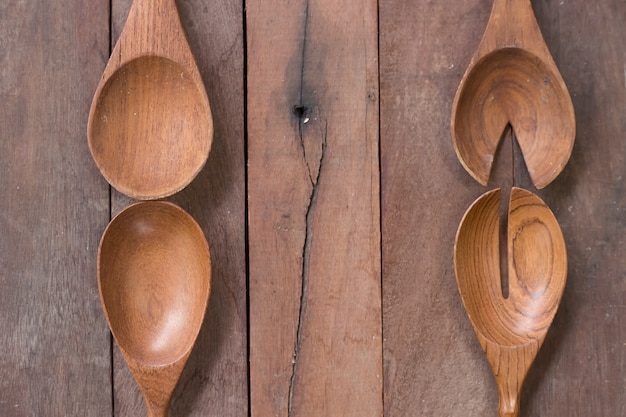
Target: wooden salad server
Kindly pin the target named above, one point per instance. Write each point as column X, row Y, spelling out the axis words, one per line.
column 150, row 127
column 154, row 273
column 510, row 330
column 512, row 79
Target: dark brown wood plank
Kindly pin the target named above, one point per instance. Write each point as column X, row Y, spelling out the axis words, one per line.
column 433, row 363
column 582, row 366
column 215, row 379
column 54, row 342
column 313, row 195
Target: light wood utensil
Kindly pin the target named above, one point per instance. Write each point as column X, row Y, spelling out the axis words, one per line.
column 154, row 274
column 510, row 330
column 512, row 79
column 150, row 127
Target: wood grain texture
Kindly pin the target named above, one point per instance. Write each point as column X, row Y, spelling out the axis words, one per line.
column 510, row 329
column 584, row 354
column 150, row 126
column 512, row 80
column 313, row 202
column 214, row 381
column 429, row 350
column 154, row 274
column 54, row 344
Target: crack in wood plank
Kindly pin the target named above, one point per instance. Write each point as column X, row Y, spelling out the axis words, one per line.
column 301, row 111
column 306, row 255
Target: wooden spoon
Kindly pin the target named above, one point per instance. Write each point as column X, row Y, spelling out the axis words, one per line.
column 512, row 79
column 154, row 274
column 150, row 127
column 510, row 330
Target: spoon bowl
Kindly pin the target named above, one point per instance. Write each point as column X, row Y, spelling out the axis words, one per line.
column 512, row 79
column 150, row 127
column 154, row 282
column 510, row 330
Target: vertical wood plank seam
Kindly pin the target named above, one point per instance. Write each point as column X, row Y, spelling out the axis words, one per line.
column 111, row 343
column 246, row 228
column 380, row 216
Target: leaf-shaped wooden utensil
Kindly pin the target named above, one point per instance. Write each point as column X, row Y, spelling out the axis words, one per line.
column 512, row 79
column 150, row 127
column 154, row 273
column 510, row 330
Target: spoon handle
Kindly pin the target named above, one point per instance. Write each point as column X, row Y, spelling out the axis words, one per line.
column 153, row 27
column 156, row 407
column 510, row 365
column 156, row 404
column 513, row 24
column 157, row 412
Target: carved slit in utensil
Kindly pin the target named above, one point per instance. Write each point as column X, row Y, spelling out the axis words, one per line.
column 503, row 177
column 512, row 79
column 508, row 171
column 510, row 330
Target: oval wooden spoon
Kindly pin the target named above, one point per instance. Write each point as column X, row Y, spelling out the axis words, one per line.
column 154, row 274
column 510, row 330
column 512, row 79
column 150, row 127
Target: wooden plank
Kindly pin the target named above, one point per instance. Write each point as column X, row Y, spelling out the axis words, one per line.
column 433, row 362
column 215, row 379
column 54, row 343
column 313, row 181
column 431, row 353
column 583, row 363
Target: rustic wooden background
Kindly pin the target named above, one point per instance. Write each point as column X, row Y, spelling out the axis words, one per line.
column 330, row 200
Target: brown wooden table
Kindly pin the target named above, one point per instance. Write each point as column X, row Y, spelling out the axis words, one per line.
column 330, row 200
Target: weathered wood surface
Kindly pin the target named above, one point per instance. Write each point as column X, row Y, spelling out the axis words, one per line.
column 54, row 342
column 433, row 363
column 55, row 350
column 585, row 361
column 313, row 203
column 214, row 381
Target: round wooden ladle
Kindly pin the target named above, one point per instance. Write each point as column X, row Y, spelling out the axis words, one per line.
column 510, row 330
column 154, row 274
column 512, row 79
column 150, row 127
